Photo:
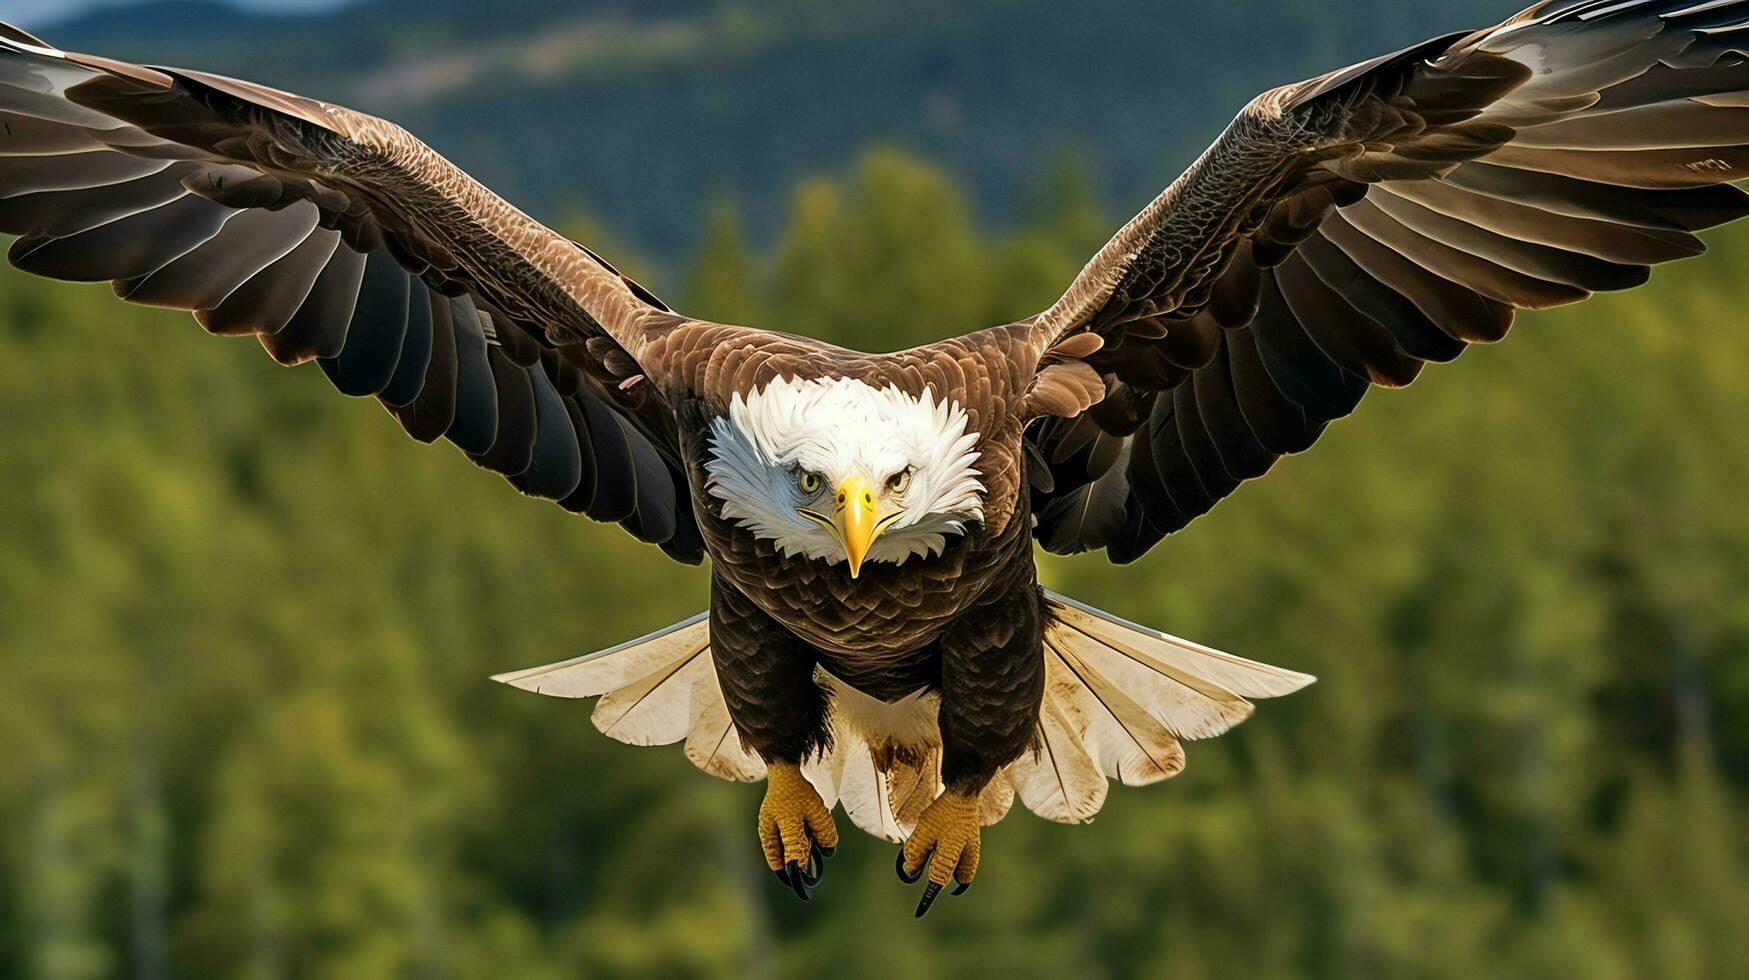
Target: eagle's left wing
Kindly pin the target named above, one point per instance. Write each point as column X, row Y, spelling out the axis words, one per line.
column 1346, row 230
column 337, row 237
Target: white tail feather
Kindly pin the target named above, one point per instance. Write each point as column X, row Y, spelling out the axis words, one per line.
column 912, row 786
column 1059, row 779
column 862, row 789
column 595, row 674
column 1119, row 698
column 995, row 801
column 655, row 690
column 1246, row 678
column 714, row 744
column 1130, row 745
column 659, row 709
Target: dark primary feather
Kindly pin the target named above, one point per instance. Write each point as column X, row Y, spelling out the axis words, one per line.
column 409, row 377
column 1350, row 228
column 432, row 411
column 377, row 329
column 555, row 464
column 476, row 415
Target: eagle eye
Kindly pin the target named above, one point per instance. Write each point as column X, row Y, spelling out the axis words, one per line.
column 808, row 482
column 899, row 481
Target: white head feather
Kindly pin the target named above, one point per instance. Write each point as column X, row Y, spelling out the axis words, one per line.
column 837, row 428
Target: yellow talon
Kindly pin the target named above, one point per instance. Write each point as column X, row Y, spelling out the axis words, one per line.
column 948, row 838
column 795, row 828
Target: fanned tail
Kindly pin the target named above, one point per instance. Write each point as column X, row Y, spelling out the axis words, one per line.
column 1120, row 700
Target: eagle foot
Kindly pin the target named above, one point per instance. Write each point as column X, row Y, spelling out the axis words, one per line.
column 795, row 829
column 944, row 845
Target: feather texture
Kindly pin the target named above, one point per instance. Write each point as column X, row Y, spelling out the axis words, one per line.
column 1118, row 700
column 1059, row 780
column 207, row 194
column 1394, row 212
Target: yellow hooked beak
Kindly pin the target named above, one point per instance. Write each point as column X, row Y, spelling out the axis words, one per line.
column 855, row 520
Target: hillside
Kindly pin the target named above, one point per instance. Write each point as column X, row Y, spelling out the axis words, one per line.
column 640, row 113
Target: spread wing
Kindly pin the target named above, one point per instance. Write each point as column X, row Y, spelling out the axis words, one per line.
column 337, row 237
column 1344, row 231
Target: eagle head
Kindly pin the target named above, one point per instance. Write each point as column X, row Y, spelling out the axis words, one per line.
column 837, row 470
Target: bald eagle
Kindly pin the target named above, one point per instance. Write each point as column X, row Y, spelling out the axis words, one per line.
column 877, row 639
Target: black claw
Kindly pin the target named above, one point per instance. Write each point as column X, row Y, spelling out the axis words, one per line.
column 826, row 852
column 782, row 876
column 909, row 878
column 929, row 892
column 815, row 869
column 961, row 890
column 797, row 881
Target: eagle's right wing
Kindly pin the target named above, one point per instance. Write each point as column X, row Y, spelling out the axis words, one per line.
column 337, row 237
column 1346, row 230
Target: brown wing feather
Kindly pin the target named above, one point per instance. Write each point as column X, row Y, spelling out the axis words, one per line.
column 1346, row 230
column 336, row 237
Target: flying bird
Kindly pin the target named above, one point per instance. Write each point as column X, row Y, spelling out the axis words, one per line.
column 877, row 639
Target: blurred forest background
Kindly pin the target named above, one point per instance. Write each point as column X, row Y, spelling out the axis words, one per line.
column 246, row 625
